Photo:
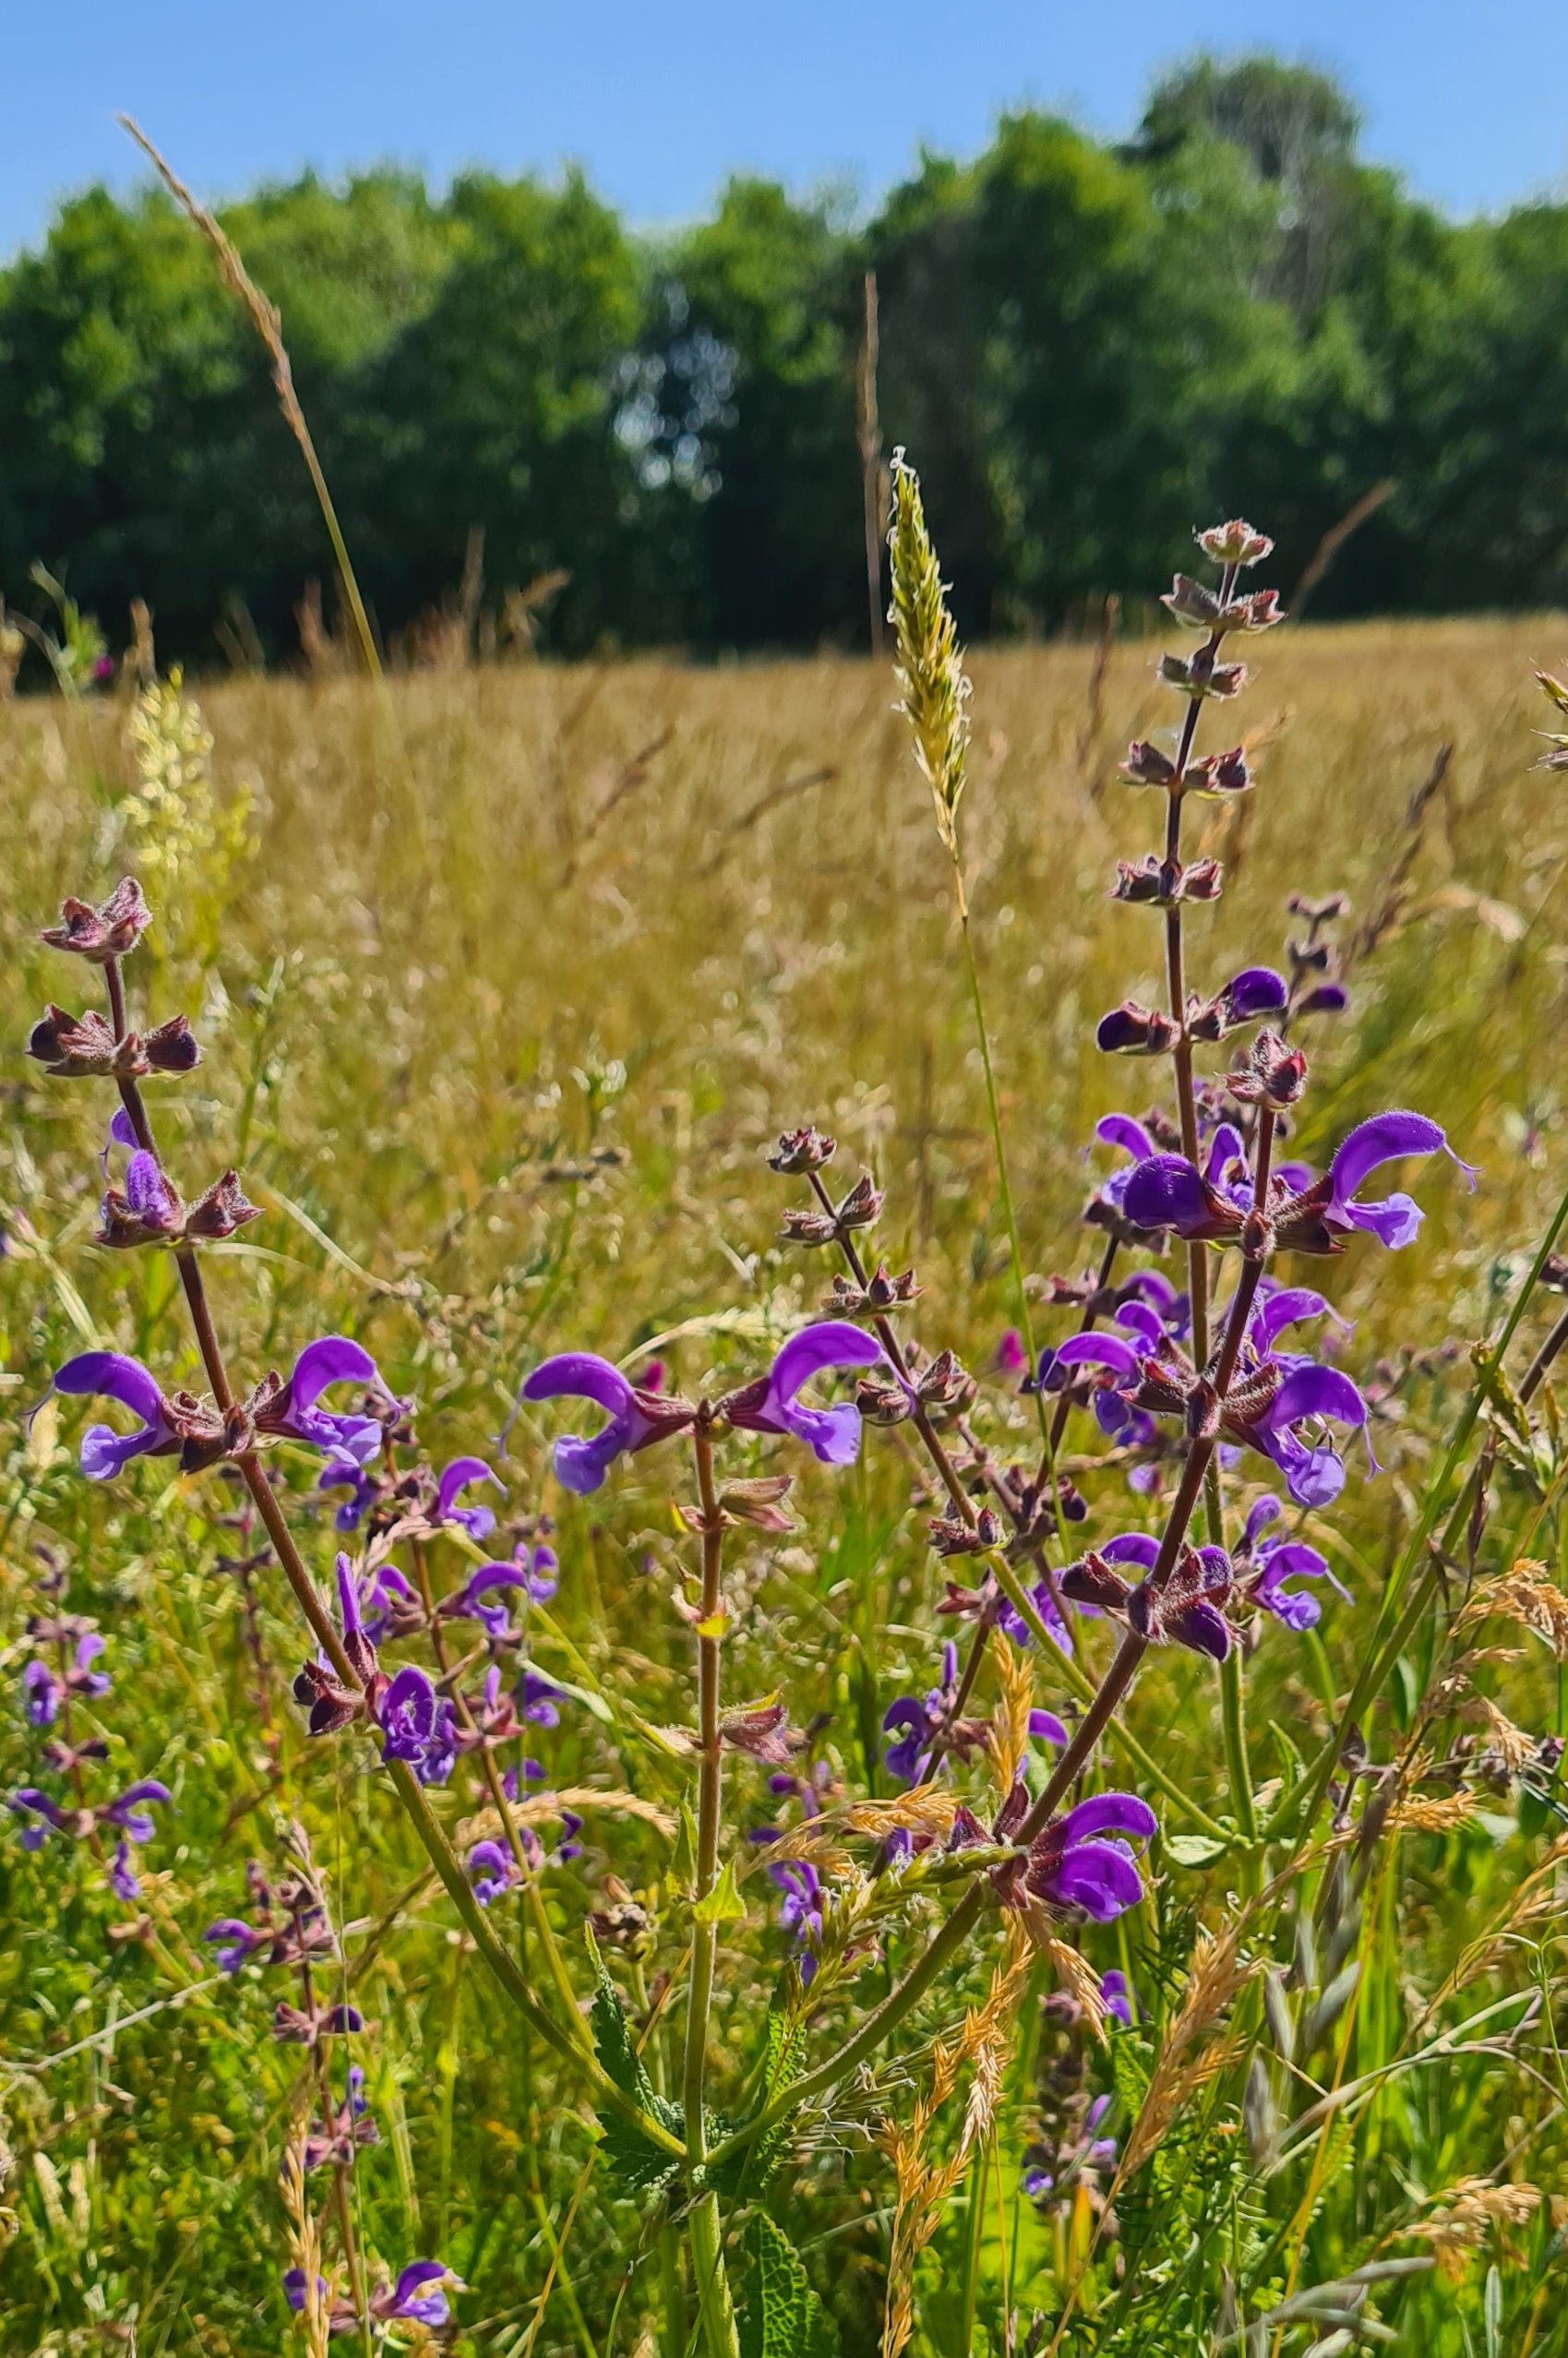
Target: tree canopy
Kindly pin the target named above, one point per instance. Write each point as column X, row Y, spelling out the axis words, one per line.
column 1087, row 347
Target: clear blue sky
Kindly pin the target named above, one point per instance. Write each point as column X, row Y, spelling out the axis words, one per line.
column 659, row 103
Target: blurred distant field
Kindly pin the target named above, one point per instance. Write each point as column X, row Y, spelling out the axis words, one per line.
column 523, row 972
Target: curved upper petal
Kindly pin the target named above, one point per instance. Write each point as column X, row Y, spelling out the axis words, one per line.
column 333, row 1359
column 1256, row 990
column 110, row 1375
column 1099, row 1351
column 831, row 1343
column 1140, row 1548
column 1386, row 1138
column 1107, row 1814
column 581, row 1375
column 1286, row 1308
column 1313, row 1391
column 1120, row 1130
column 1225, row 1147
column 1047, row 1728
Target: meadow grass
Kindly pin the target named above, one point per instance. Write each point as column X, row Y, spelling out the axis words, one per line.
column 517, row 975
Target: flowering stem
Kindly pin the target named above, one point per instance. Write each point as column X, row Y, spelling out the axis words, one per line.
column 1084, row 1687
column 900, row 1365
column 706, row 2233
column 532, row 1897
column 410, row 1792
column 949, row 1940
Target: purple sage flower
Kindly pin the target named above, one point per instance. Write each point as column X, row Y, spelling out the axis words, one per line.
column 800, row 1911
column 1084, row 1861
column 636, row 1415
column 418, row 1726
column 1265, row 1564
column 460, row 1475
column 293, row 1409
column 774, row 1404
column 124, row 1880
column 110, row 1375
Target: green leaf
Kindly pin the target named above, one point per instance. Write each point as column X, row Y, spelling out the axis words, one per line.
column 782, row 2317
column 724, row 1904
column 1194, row 1849
column 747, row 2171
column 640, row 2164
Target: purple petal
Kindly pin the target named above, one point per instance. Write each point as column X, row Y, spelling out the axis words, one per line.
column 120, row 1131
column 1165, row 1192
column 1287, row 1307
column 332, row 1359
column 1143, row 1321
column 1107, row 1814
column 581, row 1375
column 1225, row 1147
column 832, row 1343
column 1046, row 1728
column 108, row 1375
column 1256, row 990
column 1313, row 1391
column 1098, row 1877
column 1140, row 1548
column 831, row 1434
column 1120, row 1130
column 1262, row 1513
column 1099, row 1351
column 1203, row 1628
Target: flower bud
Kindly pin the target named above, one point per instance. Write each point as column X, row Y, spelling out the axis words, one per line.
column 800, row 1151
column 1236, row 542
column 108, row 932
column 1133, row 1030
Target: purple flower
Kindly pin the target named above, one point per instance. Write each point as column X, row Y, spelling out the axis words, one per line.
column 410, row 2298
column 1084, row 1860
column 29, row 1801
column 1047, row 1728
column 1308, row 1395
column 108, row 1375
column 468, row 1603
column 909, row 1758
column 1387, row 1138
column 773, row 1404
column 292, row 1410
column 417, row 1726
column 123, row 1879
column 800, row 1912
column 1263, row 1565
column 636, row 1415
column 41, row 1692
column 477, row 1521
column 1308, row 1216
column 293, row 2288
column 538, row 1699
column 129, row 1812
column 492, row 1869
column 1011, row 1356
column 1115, row 1998
column 233, row 1942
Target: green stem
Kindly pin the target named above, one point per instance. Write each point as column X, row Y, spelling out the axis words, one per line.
column 1084, row 1687
column 704, row 2227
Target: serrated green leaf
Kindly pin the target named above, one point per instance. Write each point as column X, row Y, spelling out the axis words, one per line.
column 639, row 2164
column 782, row 2317
column 682, row 1876
column 747, row 2171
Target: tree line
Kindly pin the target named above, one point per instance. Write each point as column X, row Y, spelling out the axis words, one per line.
column 1087, row 347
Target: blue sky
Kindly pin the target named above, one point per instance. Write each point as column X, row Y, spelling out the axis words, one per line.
column 659, row 104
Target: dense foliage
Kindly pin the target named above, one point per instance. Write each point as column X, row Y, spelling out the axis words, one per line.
column 1091, row 346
